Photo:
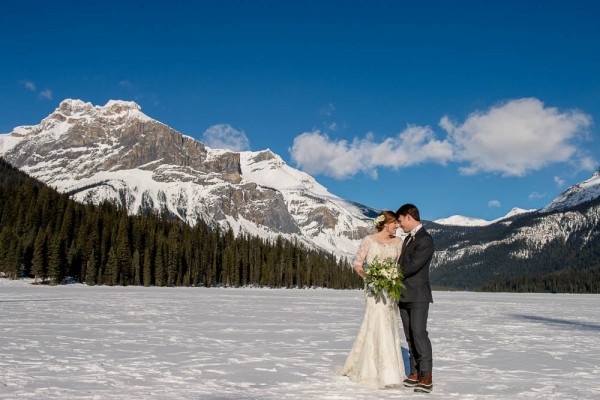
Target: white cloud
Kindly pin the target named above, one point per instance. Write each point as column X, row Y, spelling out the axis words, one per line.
column 46, row 94
column 327, row 110
column 536, row 196
column 494, row 203
column 517, row 137
column 29, row 85
column 587, row 163
column 224, row 136
column 316, row 153
column 559, row 181
column 333, row 126
column 513, row 138
column 126, row 84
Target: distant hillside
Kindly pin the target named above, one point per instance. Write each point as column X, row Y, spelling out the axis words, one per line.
column 556, row 251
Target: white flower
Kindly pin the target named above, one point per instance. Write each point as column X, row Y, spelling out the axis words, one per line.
column 384, row 276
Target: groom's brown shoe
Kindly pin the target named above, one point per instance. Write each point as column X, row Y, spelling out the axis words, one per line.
column 411, row 380
column 425, row 383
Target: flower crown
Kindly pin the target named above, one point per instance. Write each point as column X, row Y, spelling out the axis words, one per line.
column 379, row 220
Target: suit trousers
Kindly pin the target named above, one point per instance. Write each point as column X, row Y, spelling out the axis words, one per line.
column 414, row 321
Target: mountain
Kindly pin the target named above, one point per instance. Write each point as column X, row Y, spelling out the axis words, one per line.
column 459, row 220
column 117, row 153
column 576, row 194
column 48, row 236
column 556, row 247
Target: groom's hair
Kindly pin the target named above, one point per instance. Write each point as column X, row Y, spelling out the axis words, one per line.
column 409, row 209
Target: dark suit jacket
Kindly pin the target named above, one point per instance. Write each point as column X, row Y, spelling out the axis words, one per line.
column 414, row 262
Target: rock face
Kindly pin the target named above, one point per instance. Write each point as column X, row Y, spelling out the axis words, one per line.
column 79, row 140
column 117, row 153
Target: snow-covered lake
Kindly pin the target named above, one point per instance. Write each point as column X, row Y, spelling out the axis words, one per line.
column 80, row 342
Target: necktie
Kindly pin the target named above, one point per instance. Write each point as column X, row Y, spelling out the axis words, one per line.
column 409, row 239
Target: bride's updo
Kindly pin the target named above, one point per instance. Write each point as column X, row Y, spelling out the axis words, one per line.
column 385, row 217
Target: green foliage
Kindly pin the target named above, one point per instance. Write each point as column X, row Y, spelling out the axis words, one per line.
column 384, row 276
column 46, row 235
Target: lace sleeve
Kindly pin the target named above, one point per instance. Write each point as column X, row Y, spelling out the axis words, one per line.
column 359, row 259
column 399, row 245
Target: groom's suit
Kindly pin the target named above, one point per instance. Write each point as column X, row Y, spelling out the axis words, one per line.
column 415, row 298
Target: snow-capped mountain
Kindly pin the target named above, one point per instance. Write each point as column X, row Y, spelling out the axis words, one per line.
column 573, row 196
column 562, row 235
column 536, row 243
column 115, row 152
column 576, row 194
column 459, row 220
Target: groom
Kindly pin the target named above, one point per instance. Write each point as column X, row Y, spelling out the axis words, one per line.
column 415, row 298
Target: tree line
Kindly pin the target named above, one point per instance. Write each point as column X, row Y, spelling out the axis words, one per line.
column 49, row 236
column 564, row 281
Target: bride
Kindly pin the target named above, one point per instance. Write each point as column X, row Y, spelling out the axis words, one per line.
column 376, row 356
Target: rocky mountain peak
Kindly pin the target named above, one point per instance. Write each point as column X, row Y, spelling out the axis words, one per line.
column 72, row 110
column 265, row 155
column 118, row 106
column 80, row 140
column 115, row 152
column 576, row 194
column 73, row 106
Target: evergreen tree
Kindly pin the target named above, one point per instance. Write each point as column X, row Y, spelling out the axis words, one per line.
column 55, row 260
column 39, row 267
column 159, row 266
column 147, row 267
column 111, row 275
column 91, row 273
column 172, row 257
column 135, row 266
column 9, row 254
column 123, row 253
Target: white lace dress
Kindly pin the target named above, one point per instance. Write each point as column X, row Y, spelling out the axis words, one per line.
column 376, row 355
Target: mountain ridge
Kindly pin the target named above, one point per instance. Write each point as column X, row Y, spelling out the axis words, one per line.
column 579, row 193
column 117, row 153
column 460, row 220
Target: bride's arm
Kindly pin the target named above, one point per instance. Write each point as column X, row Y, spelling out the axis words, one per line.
column 361, row 254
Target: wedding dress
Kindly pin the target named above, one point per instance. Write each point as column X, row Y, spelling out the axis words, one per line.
column 376, row 356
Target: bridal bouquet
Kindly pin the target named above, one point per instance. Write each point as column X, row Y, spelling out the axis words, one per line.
column 384, row 275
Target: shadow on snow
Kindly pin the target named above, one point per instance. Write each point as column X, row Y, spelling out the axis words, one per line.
column 559, row 322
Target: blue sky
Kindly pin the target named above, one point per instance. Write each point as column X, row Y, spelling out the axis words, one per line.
column 460, row 107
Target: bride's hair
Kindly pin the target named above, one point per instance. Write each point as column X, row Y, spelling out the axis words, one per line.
column 388, row 218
